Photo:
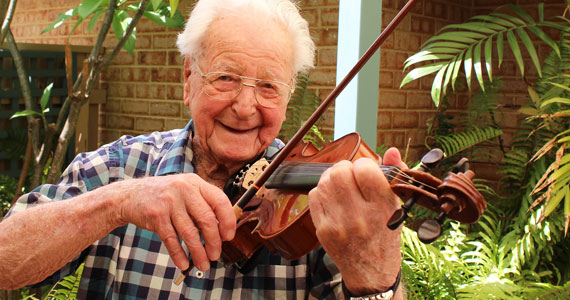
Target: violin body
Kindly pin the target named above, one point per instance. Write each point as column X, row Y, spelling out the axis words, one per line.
column 278, row 215
column 279, row 218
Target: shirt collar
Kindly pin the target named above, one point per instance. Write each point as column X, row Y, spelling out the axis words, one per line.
column 178, row 158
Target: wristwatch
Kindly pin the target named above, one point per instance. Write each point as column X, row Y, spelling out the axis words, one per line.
column 387, row 295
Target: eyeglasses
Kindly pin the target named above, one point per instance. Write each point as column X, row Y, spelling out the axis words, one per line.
column 227, row 86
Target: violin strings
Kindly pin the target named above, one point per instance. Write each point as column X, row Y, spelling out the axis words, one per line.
column 308, row 166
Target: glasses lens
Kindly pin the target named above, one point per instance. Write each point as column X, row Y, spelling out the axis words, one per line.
column 226, row 86
column 223, row 86
column 271, row 93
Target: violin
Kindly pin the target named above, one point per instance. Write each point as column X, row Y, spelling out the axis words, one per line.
column 278, row 216
column 273, row 211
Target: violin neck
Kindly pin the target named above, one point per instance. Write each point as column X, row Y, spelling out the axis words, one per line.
column 303, row 176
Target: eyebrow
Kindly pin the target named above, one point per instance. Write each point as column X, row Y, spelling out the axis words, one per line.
column 235, row 68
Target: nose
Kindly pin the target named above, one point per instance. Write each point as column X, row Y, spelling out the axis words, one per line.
column 245, row 103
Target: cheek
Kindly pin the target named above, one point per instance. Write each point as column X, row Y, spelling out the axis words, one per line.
column 272, row 125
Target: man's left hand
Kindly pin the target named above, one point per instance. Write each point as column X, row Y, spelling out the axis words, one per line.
column 350, row 208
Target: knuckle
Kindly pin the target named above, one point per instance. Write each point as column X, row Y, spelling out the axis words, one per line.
column 189, row 233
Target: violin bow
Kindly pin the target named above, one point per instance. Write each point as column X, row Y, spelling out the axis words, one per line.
column 244, row 199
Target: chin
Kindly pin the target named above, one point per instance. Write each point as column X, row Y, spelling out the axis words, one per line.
column 238, row 155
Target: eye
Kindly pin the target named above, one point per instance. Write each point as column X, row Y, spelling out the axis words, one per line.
column 266, row 85
column 225, row 78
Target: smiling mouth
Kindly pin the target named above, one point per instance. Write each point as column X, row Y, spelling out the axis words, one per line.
column 235, row 130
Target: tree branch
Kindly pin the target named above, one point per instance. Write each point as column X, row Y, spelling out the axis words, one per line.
column 25, row 167
column 7, row 19
column 95, row 67
column 22, row 78
column 128, row 32
column 105, row 26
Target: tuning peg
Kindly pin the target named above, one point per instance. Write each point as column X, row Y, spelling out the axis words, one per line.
column 401, row 214
column 431, row 159
column 462, row 166
column 430, row 229
column 397, row 218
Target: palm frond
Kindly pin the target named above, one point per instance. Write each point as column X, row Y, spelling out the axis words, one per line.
column 471, row 45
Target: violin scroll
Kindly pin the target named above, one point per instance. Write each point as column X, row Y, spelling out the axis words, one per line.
column 428, row 162
column 455, row 197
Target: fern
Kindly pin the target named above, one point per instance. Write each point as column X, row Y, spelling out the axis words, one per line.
column 457, row 142
column 67, row 287
column 301, row 106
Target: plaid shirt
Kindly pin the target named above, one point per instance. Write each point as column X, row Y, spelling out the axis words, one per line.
column 133, row 263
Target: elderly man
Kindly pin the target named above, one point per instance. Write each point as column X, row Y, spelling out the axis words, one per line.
column 134, row 207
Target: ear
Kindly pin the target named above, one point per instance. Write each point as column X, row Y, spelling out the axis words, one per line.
column 187, row 73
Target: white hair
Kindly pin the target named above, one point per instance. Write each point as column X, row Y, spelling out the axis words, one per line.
column 206, row 11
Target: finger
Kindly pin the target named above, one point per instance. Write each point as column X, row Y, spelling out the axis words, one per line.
column 315, row 207
column 342, row 182
column 205, row 220
column 191, row 237
column 170, row 239
column 222, row 208
column 392, row 157
column 372, row 183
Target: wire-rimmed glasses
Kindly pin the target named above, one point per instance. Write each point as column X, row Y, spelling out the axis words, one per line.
column 227, row 86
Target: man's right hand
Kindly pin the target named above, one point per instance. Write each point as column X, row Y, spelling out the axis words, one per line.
column 180, row 205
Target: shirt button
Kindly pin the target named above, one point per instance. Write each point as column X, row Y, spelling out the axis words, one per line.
column 199, row 274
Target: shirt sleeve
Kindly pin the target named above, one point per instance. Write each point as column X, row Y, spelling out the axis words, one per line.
column 324, row 278
column 86, row 172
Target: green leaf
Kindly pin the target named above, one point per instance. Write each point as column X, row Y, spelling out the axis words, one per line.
column 121, row 21
column 475, row 26
column 155, row 4
column 24, row 113
column 530, row 49
column 477, row 65
column 541, row 12
column 488, row 18
column 426, row 56
column 421, row 72
column 533, row 96
column 521, row 13
column 515, row 49
column 94, row 19
column 45, row 96
column 463, row 37
column 512, row 19
column 445, row 45
column 527, row 110
column 489, row 57
column 87, row 7
column 555, row 100
column 468, row 65
column 164, row 16
column 456, row 68
column 61, row 19
column 173, row 7
column 449, row 75
column 545, row 38
column 117, row 26
column 436, row 86
column 554, row 201
column 500, row 47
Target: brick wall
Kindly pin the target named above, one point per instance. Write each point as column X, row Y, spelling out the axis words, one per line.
column 145, row 90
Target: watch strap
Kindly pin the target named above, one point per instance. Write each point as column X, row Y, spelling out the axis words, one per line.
column 387, row 295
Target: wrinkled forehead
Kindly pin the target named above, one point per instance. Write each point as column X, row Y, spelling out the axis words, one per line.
column 259, row 38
